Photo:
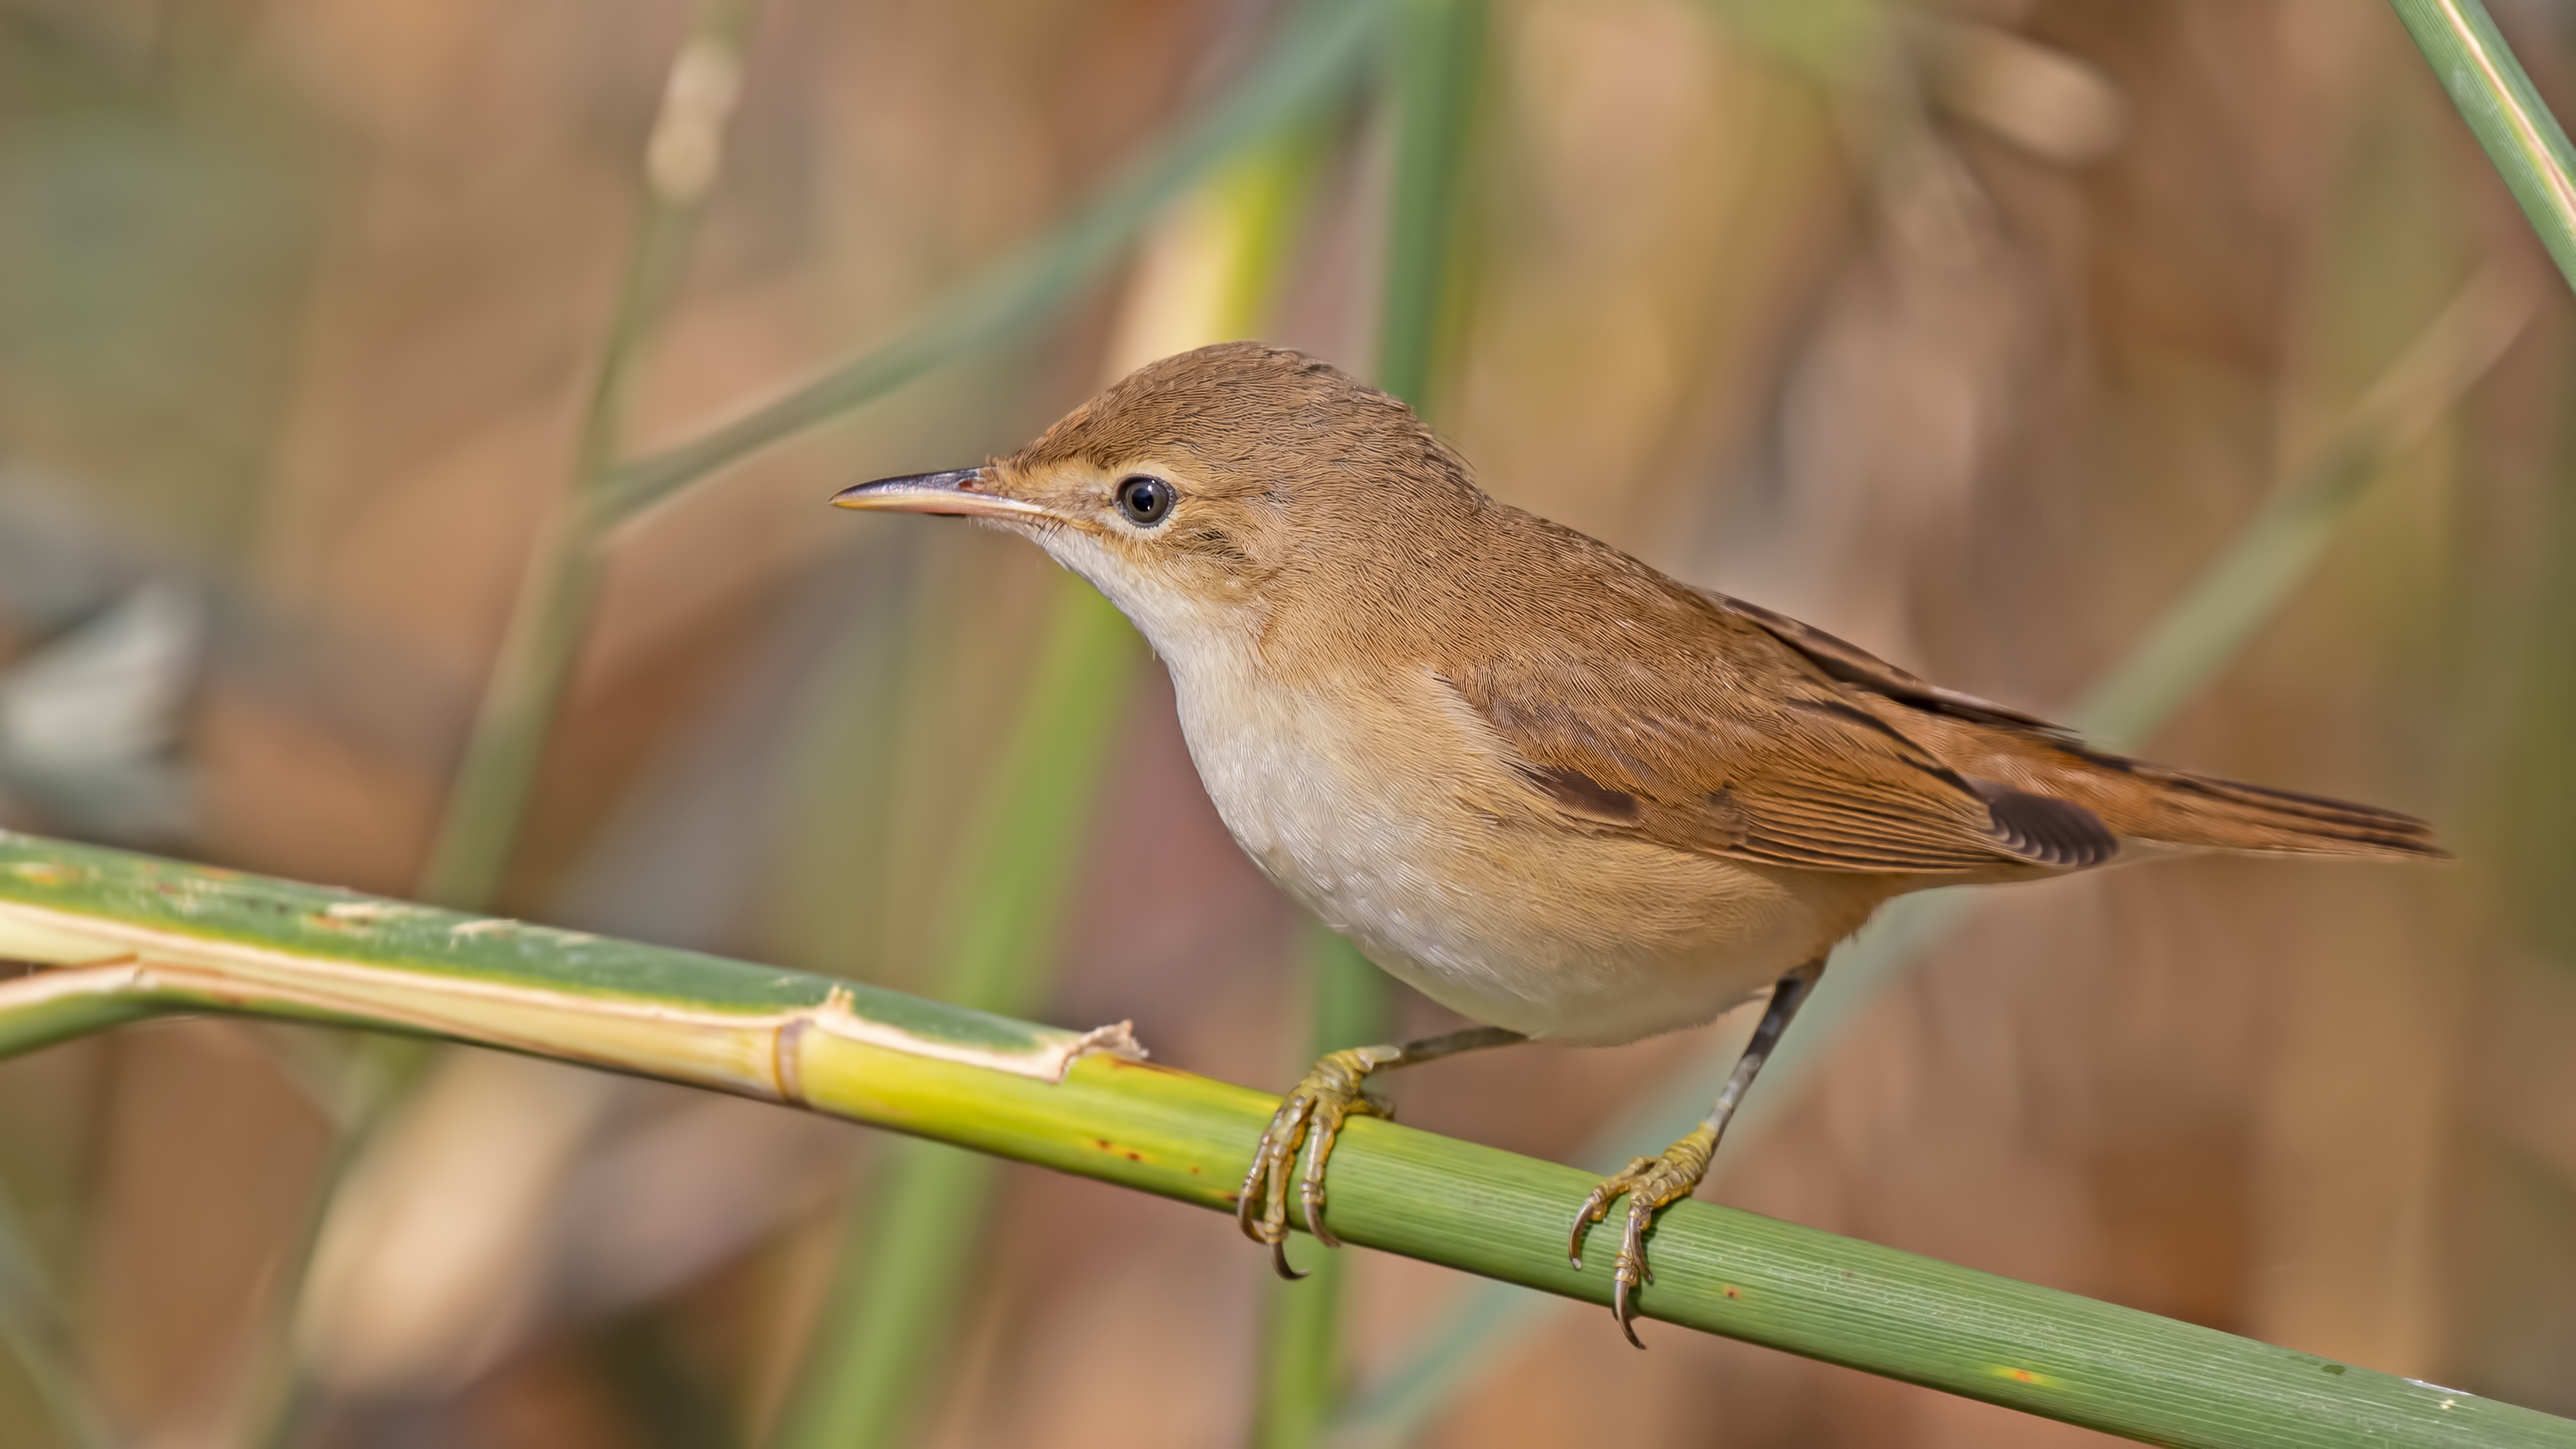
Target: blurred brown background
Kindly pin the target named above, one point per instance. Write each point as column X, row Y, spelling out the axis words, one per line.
column 1969, row 331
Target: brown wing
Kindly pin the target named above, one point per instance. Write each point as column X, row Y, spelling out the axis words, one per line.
column 1992, row 743
column 1734, row 743
column 1853, row 665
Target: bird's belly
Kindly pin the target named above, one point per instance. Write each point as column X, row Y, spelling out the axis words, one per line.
column 1541, row 927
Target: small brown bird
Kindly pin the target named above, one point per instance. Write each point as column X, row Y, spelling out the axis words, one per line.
column 1547, row 786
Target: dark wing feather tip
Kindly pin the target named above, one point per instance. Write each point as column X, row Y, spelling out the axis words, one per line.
column 1850, row 664
column 1582, row 794
column 2048, row 830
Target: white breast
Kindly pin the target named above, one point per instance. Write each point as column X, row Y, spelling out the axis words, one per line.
column 1497, row 910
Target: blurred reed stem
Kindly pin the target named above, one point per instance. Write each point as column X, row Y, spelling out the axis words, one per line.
column 911, row 1250
column 1301, row 1372
column 1437, row 47
column 488, row 799
column 126, row 937
column 839, row 768
column 541, row 646
column 377, row 1072
column 33, row 1330
column 2495, row 96
column 910, row 1254
column 2257, row 571
column 2194, row 640
column 1434, row 50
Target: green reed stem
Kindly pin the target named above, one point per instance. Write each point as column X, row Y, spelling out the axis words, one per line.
column 912, row 1246
column 1432, row 64
column 542, row 642
column 2495, row 96
column 1301, row 1372
column 123, row 937
column 33, row 1330
column 488, row 799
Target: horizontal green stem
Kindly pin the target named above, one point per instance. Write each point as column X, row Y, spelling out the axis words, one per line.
column 128, row 937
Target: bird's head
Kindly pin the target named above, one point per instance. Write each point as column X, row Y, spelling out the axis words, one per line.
column 1206, row 490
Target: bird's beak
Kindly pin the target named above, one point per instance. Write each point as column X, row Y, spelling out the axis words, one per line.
column 961, row 491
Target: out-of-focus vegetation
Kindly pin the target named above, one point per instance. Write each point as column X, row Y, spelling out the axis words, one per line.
column 1972, row 332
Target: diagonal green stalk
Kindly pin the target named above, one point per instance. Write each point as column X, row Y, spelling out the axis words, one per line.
column 2495, row 96
column 2196, row 638
column 124, row 937
column 1430, row 72
column 2259, row 569
column 1301, row 70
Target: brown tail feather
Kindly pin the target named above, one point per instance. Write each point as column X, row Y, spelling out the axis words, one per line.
column 2156, row 803
column 1988, row 743
column 2160, row 805
column 2177, row 807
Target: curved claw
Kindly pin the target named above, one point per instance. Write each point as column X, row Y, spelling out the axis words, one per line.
column 1632, row 1271
column 1260, row 1209
column 1625, row 1312
column 1310, row 1197
column 1632, row 1243
column 1310, row 1119
column 1596, row 1206
column 1648, row 1183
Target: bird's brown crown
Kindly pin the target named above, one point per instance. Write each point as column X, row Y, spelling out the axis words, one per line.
column 1244, row 407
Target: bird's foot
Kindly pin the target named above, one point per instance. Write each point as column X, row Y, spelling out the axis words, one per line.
column 1310, row 1117
column 1648, row 1183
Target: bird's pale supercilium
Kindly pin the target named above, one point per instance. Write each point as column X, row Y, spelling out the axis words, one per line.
column 1551, row 788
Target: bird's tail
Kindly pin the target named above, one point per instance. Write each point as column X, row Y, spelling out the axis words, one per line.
column 2161, row 805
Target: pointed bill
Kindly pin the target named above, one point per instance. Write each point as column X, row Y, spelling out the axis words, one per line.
column 959, row 491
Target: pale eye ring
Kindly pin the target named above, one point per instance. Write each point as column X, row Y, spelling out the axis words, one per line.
column 1145, row 499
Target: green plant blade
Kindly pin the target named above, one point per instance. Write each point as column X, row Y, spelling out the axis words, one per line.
column 33, row 1331
column 131, row 936
column 1300, row 70
column 2495, row 96
column 2188, row 646
column 1432, row 72
column 913, row 1241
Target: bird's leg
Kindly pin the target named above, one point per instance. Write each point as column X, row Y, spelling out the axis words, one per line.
column 1651, row 1182
column 1312, row 1116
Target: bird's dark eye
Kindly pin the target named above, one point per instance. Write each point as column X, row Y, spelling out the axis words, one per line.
column 1145, row 500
